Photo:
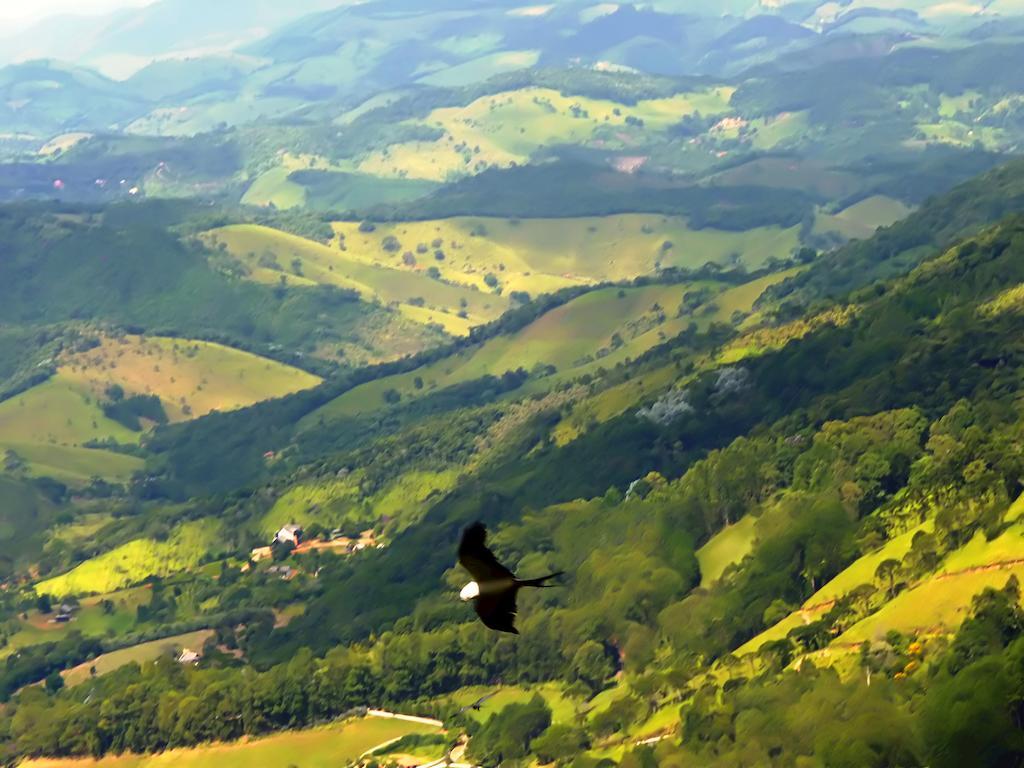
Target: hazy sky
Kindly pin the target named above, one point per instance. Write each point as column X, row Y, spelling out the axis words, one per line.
column 17, row 13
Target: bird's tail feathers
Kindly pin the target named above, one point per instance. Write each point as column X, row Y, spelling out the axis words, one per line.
column 542, row 582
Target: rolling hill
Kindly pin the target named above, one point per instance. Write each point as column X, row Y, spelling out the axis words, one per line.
column 686, row 301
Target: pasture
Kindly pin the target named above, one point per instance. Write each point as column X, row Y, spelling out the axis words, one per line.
column 274, row 188
column 937, row 605
column 137, row 654
column 91, row 620
column 191, row 378
column 509, row 127
column 542, row 255
column 42, row 431
column 325, row 747
column 60, row 412
column 271, row 256
column 600, row 328
column 725, row 548
column 563, row 708
column 136, row 561
column 860, row 220
column 862, row 570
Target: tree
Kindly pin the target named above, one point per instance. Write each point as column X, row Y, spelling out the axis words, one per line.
column 54, row 682
column 886, row 573
column 592, row 665
column 559, row 743
column 508, row 734
column 43, row 604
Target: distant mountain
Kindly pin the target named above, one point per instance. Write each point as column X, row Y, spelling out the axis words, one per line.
column 45, row 98
column 125, row 41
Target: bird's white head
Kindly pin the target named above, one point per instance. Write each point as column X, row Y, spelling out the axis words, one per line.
column 470, row 592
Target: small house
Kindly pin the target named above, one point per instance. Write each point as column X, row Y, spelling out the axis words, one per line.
column 64, row 614
column 188, row 656
column 290, row 534
column 261, row 553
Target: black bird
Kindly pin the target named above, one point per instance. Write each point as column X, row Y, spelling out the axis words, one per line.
column 494, row 587
column 478, row 704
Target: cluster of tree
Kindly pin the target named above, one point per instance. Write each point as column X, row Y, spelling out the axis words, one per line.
column 30, row 665
column 575, row 188
column 962, row 708
column 129, row 411
column 896, row 250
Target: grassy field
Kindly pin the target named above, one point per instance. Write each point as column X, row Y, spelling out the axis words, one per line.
column 936, row 605
column 543, row 255
column 58, row 412
column 91, row 620
column 274, row 188
column 326, row 747
column 271, row 256
column 609, row 403
column 191, row 378
column 563, row 708
column 509, row 127
column 939, row 603
column 767, row 133
column 964, row 134
column 790, row 173
column 726, row 548
column 576, row 337
column 862, row 570
column 861, row 219
column 979, row 552
column 45, row 427
column 136, row 561
column 333, row 502
column 137, row 654
column 1016, row 510
column 72, row 465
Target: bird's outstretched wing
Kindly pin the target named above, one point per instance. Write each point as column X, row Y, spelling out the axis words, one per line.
column 498, row 611
column 476, row 558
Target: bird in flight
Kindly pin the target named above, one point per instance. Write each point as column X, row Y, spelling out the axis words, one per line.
column 478, row 704
column 494, row 587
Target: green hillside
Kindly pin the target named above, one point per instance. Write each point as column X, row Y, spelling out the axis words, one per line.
column 278, row 258
column 80, row 266
column 316, row 748
column 873, row 505
column 713, row 309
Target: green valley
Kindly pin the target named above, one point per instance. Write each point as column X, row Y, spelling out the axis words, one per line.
column 711, row 308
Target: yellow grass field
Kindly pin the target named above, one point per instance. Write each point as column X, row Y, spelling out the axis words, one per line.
column 543, row 255
column 191, row 378
column 507, row 128
column 327, row 747
column 136, row 561
column 47, row 426
column 271, row 255
column 936, row 605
